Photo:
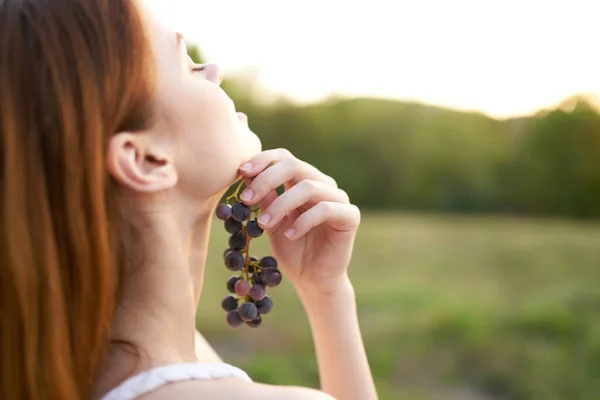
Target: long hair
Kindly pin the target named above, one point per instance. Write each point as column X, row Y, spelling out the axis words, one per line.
column 72, row 73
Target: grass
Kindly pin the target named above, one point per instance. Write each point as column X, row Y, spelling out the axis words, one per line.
column 450, row 308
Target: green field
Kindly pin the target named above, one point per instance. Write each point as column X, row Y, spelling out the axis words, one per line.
column 450, row 307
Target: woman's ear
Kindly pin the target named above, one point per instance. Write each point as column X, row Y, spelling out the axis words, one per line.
column 136, row 163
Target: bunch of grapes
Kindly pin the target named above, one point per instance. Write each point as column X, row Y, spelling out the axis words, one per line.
column 248, row 300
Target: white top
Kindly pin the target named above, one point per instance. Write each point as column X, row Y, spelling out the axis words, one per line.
column 154, row 378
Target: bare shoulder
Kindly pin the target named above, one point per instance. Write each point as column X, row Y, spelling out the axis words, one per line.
column 233, row 389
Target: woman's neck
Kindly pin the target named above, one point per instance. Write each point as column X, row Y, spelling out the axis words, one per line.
column 157, row 305
column 154, row 323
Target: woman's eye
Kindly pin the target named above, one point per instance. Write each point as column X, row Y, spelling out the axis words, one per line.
column 198, row 68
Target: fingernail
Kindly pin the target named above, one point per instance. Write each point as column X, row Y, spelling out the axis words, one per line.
column 290, row 233
column 247, row 195
column 264, row 219
column 246, row 167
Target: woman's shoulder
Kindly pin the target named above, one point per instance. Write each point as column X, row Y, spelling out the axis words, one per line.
column 209, row 379
column 233, row 389
column 165, row 375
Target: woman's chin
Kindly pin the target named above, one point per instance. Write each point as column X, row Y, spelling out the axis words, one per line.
column 255, row 144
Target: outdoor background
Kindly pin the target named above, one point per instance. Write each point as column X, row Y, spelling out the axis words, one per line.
column 469, row 135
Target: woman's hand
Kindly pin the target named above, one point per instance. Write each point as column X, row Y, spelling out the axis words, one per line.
column 311, row 226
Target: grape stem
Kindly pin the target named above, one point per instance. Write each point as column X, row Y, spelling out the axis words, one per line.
column 247, row 254
column 236, row 193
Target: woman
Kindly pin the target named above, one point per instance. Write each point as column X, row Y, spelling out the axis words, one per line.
column 115, row 151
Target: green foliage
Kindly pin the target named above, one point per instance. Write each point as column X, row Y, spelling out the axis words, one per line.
column 559, row 160
column 392, row 155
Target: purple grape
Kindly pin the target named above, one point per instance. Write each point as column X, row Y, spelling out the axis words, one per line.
column 257, row 292
column 232, row 226
column 268, row 262
column 223, row 212
column 271, row 277
column 234, row 261
column 229, row 303
column 255, row 323
column 240, row 212
column 227, row 250
column 253, row 259
column 233, row 319
column 237, row 241
column 248, row 312
column 242, row 288
column 265, row 305
column 231, row 284
column 253, row 229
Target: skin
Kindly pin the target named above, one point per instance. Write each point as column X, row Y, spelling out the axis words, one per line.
column 172, row 177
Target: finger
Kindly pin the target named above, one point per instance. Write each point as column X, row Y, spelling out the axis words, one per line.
column 262, row 160
column 341, row 217
column 266, row 201
column 300, row 194
column 286, row 170
column 270, row 158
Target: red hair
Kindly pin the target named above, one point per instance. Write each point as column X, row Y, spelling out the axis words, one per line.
column 72, row 73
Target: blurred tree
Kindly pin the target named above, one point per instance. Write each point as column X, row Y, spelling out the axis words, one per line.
column 556, row 165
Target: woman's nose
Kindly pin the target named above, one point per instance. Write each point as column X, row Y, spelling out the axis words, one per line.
column 213, row 73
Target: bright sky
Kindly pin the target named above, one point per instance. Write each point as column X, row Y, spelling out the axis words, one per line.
column 502, row 57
